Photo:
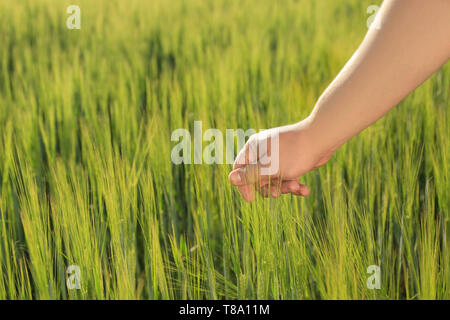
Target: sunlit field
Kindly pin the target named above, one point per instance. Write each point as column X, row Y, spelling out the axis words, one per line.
column 86, row 176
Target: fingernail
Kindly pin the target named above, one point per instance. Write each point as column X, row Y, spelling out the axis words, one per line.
column 235, row 178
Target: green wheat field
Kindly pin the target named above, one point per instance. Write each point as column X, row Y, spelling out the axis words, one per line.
column 86, row 177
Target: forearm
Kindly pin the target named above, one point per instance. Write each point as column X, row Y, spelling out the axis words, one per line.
column 412, row 43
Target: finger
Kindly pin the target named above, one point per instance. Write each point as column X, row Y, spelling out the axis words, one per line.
column 248, row 154
column 269, row 180
column 241, row 159
column 294, row 187
column 247, row 175
column 270, row 191
column 275, row 191
column 247, row 192
column 264, row 190
column 304, row 191
column 290, row 186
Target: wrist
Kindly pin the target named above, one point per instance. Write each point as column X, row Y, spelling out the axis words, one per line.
column 316, row 141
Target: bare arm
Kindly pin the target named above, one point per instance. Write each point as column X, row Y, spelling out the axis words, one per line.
column 413, row 41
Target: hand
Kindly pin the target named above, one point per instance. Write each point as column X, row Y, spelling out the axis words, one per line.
column 296, row 154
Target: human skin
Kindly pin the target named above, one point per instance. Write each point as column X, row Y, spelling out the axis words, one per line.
column 410, row 44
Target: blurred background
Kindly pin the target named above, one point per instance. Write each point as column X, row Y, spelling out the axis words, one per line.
column 86, row 179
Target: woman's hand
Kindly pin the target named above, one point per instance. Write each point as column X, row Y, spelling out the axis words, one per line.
column 271, row 162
